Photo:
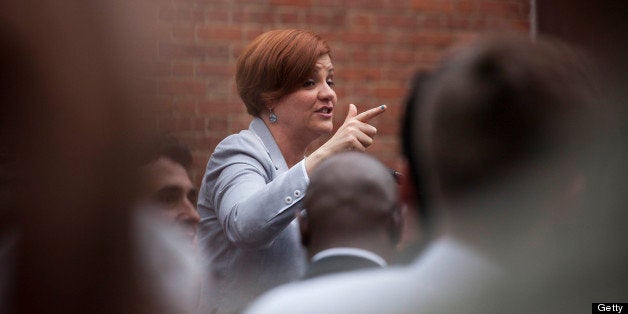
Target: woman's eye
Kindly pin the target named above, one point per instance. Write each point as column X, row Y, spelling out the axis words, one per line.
column 331, row 83
column 309, row 83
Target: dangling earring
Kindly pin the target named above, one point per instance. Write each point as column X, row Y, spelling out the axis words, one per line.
column 272, row 117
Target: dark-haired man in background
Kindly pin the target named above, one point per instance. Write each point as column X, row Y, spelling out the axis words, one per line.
column 166, row 226
column 166, row 185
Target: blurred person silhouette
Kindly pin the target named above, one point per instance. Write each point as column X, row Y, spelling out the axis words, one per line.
column 351, row 218
column 69, row 136
column 502, row 134
column 255, row 180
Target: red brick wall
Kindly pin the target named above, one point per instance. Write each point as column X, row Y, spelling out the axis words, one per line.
column 376, row 46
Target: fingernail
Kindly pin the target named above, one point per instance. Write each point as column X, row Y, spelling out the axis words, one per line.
column 382, row 107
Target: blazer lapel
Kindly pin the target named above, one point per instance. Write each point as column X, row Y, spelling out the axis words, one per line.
column 261, row 130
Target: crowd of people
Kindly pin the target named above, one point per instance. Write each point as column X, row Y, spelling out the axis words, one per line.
column 502, row 195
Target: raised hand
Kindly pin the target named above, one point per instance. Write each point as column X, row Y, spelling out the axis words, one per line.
column 354, row 134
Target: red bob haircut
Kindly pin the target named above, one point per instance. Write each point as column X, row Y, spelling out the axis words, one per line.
column 275, row 64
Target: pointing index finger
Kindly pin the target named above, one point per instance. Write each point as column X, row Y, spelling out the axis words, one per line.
column 366, row 116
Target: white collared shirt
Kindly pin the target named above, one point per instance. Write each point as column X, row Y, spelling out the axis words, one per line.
column 352, row 252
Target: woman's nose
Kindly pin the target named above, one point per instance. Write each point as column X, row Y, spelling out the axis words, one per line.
column 327, row 93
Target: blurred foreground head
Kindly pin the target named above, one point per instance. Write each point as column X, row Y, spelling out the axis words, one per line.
column 501, row 109
column 69, row 132
column 515, row 146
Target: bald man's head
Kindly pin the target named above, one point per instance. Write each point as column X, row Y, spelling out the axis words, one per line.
column 351, row 199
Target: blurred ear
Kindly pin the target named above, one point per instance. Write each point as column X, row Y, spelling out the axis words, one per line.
column 304, row 227
column 396, row 225
column 406, row 186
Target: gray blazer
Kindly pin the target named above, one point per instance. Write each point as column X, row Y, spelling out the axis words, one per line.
column 248, row 235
